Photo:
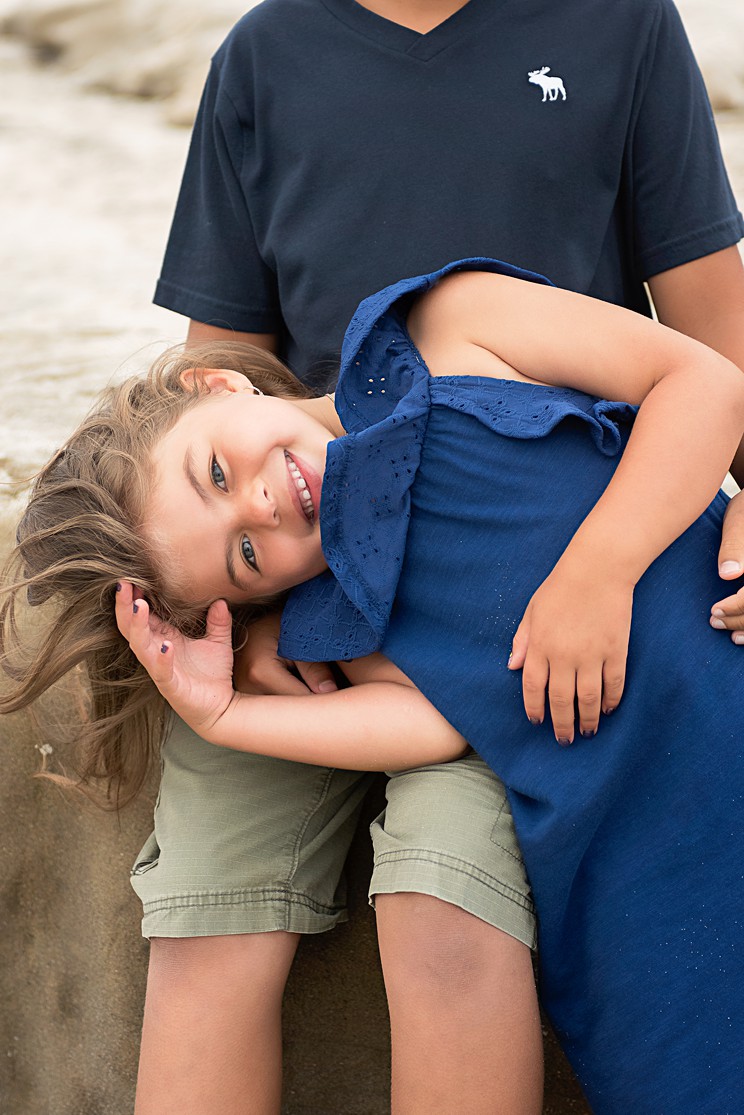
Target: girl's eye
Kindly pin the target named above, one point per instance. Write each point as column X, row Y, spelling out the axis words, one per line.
column 218, row 476
column 248, row 553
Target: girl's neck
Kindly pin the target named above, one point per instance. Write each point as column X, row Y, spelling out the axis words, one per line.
column 323, row 411
column 418, row 15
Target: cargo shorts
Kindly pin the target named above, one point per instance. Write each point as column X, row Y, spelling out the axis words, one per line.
column 248, row 844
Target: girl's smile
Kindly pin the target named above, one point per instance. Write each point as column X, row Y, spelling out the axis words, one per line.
column 301, row 489
column 235, row 504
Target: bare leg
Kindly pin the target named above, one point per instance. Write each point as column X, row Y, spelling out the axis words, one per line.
column 466, row 1032
column 211, row 1037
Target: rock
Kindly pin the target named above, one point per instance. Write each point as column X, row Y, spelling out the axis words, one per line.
column 139, row 48
column 716, row 30
column 161, row 48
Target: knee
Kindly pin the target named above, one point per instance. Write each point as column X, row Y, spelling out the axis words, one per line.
column 438, row 949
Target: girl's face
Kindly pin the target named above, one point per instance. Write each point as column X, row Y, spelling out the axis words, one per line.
column 236, row 500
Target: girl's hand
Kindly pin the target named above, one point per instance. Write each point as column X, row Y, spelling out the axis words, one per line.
column 193, row 675
column 258, row 668
column 573, row 641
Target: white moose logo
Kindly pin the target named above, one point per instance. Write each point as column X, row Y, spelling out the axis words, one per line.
column 551, row 86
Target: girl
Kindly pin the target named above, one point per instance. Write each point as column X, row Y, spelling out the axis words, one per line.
column 467, row 448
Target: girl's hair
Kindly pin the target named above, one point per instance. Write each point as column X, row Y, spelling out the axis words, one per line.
column 80, row 534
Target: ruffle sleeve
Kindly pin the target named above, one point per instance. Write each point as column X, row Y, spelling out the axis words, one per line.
column 384, row 398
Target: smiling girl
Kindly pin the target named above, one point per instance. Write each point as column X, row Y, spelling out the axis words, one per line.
column 472, row 477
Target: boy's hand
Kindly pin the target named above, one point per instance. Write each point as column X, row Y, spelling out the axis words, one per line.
column 259, row 669
column 573, row 641
column 193, row 675
column 728, row 614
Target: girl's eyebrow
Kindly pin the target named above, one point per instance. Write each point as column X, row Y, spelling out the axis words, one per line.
column 190, row 474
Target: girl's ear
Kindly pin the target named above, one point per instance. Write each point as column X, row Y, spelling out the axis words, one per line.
column 217, row 379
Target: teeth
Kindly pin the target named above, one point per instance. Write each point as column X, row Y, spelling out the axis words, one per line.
column 301, row 485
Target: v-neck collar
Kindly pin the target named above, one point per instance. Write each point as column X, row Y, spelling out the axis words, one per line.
column 403, row 40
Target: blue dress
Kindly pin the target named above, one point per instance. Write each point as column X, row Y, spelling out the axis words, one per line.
column 445, row 506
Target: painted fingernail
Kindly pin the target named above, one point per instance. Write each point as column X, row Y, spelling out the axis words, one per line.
column 564, row 742
column 534, row 720
column 118, row 586
column 164, row 648
column 718, row 624
column 609, row 711
column 135, row 608
column 729, row 568
column 589, row 733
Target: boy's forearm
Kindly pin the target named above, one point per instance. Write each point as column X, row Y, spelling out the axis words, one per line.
column 375, row 726
column 705, row 300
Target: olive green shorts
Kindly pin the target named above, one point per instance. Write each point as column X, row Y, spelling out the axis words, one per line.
column 246, row 844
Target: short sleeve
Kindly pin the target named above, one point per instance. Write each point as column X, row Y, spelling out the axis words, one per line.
column 213, row 270
column 682, row 203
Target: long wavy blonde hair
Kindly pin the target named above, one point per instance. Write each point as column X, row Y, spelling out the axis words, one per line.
column 80, row 534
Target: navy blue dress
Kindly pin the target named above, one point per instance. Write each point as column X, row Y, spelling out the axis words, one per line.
column 445, row 506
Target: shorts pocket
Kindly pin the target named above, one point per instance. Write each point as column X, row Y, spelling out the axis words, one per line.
column 148, row 857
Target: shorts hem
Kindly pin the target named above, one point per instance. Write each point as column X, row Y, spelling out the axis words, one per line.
column 461, row 884
column 211, row 914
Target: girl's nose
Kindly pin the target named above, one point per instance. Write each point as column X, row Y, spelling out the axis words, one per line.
column 261, row 504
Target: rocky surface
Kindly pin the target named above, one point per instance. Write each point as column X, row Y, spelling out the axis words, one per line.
column 160, row 48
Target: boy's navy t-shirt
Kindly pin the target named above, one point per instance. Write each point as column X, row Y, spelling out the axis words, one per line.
column 336, row 152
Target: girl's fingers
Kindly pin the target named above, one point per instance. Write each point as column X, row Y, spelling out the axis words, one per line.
column 123, row 607
column 534, row 683
column 562, row 697
column 589, row 696
column 613, row 682
column 317, row 676
column 520, row 643
column 148, row 644
column 219, row 622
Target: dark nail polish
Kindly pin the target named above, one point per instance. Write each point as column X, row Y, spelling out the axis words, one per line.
column 565, row 742
column 535, row 721
column 164, row 648
column 135, row 608
column 590, row 733
column 118, row 586
column 608, row 711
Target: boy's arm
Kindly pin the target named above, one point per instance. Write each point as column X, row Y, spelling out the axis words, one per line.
column 381, row 723
column 199, row 332
column 705, row 299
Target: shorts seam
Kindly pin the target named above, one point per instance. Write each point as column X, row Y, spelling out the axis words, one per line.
column 320, row 798
column 237, row 898
column 454, row 863
column 509, row 851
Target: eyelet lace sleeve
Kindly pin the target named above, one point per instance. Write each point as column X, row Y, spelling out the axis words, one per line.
column 384, row 397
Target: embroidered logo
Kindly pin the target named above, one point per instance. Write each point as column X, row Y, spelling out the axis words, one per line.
column 551, row 86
